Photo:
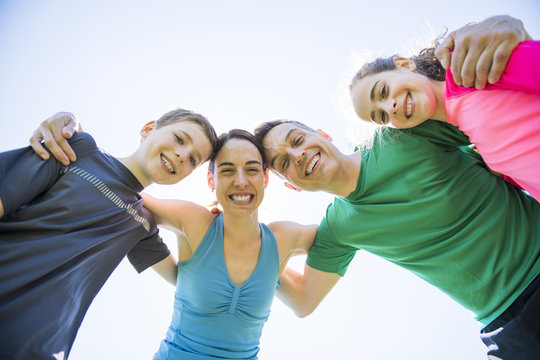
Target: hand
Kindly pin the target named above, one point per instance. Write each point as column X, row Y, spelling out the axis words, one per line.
column 481, row 51
column 54, row 132
column 214, row 207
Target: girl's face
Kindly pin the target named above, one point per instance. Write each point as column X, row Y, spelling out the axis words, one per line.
column 170, row 153
column 238, row 177
column 400, row 97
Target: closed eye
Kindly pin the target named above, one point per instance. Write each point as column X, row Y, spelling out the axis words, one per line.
column 284, row 165
column 384, row 91
column 179, row 139
column 384, row 118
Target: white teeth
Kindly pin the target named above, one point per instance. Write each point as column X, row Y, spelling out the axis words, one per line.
column 312, row 164
column 167, row 164
column 241, row 198
column 409, row 106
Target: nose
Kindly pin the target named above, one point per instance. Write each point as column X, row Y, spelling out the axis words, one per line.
column 390, row 106
column 297, row 155
column 182, row 153
column 240, row 179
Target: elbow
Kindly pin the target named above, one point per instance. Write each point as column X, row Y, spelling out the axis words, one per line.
column 305, row 310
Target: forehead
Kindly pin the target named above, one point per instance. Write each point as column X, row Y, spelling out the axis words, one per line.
column 238, row 150
column 363, row 91
column 279, row 135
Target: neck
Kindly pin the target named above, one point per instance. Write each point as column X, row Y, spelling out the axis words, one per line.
column 241, row 228
column 344, row 183
column 440, row 112
column 131, row 163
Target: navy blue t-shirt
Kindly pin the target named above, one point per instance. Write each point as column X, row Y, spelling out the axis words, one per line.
column 64, row 231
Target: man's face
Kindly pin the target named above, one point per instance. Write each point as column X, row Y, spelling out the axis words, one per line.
column 301, row 156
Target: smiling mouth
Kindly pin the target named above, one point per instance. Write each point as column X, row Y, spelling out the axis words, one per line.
column 243, row 199
column 167, row 164
column 408, row 105
column 312, row 163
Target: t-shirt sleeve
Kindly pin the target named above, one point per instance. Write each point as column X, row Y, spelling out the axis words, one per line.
column 148, row 252
column 522, row 72
column 24, row 176
column 441, row 134
column 327, row 254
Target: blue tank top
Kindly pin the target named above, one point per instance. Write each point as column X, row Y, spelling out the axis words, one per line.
column 213, row 317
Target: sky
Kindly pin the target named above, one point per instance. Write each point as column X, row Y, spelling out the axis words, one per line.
column 119, row 64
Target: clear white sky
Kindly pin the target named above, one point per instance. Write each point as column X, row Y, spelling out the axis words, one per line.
column 119, row 64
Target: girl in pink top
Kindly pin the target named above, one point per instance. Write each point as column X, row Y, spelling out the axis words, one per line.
column 502, row 120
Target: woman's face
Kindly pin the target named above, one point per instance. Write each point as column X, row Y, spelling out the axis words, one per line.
column 238, row 177
column 399, row 97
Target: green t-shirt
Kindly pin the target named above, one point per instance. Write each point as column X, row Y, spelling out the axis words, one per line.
column 430, row 206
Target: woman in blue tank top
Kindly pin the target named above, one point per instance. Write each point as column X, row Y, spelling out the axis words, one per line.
column 229, row 264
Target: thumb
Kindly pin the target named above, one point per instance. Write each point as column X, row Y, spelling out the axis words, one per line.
column 444, row 50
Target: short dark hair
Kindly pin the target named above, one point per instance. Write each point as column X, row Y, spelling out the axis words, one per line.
column 235, row 134
column 264, row 128
column 180, row 114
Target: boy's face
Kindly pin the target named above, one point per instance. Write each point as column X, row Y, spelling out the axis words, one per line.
column 400, row 97
column 303, row 157
column 173, row 151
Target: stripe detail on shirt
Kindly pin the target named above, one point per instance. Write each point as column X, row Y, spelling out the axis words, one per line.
column 109, row 194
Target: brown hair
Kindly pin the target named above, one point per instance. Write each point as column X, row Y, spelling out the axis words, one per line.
column 235, row 134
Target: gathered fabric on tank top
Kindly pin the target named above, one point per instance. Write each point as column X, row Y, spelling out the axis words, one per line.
column 213, row 317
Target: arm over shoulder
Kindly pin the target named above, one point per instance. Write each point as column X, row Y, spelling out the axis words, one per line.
column 190, row 218
column 304, row 292
column 292, row 239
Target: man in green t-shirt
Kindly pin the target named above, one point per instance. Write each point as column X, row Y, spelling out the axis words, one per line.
column 421, row 199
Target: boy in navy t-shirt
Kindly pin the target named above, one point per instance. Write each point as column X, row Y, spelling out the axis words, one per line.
column 64, row 229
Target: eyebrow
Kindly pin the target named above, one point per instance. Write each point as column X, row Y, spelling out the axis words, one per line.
column 372, row 93
column 250, row 162
column 287, row 137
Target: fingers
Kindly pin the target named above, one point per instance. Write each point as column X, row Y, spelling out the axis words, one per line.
column 35, row 143
column 55, row 142
column 481, row 51
column 444, row 50
column 500, row 60
column 458, row 58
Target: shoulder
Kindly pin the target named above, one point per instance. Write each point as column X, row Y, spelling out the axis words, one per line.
column 82, row 142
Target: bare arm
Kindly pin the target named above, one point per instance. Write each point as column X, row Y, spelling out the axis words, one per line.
column 304, row 292
column 292, row 239
column 181, row 216
column 167, row 269
column 481, row 51
column 54, row 133
column 1, row 209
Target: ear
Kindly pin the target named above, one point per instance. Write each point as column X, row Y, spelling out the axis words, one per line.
column 405, row 63
column 266, row 171
column 324, row 135
column 147, row 129
column 210, row 179
column 291, row 186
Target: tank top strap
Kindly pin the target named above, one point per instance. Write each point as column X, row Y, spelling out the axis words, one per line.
column 211, row 244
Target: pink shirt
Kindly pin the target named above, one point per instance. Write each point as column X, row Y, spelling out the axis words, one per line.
column 503, row 120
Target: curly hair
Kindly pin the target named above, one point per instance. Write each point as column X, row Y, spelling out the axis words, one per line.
column 426, row 63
